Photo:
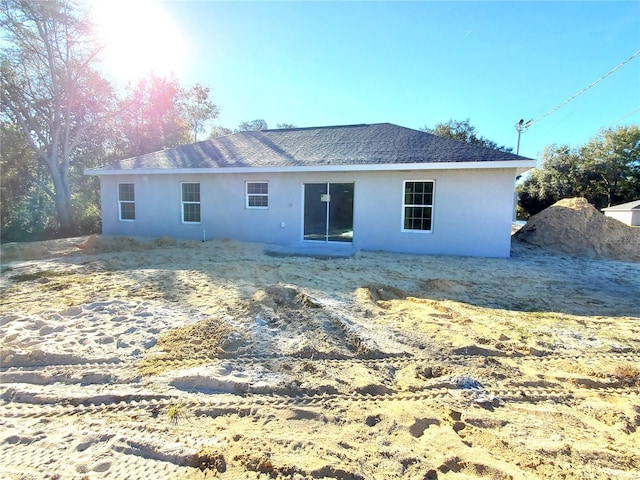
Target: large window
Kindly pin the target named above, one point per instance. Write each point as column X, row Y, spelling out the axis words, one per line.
column 190, row 202
column 418, row 206
column 126, row 201
column 257, row 194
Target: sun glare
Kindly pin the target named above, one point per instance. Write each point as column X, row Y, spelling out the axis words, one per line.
column 139, row 38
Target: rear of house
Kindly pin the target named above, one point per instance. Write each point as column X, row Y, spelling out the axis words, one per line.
column 365, row 187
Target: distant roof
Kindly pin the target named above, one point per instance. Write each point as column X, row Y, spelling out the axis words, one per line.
column 635, row 205
column 376, row 144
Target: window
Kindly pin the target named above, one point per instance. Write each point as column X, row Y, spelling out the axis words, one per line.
column 417, row 206
column 257, row 194
column 190, row 202
column 126, row 201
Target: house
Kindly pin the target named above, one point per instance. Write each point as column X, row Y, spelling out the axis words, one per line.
column 365, row 187
column 628, row 213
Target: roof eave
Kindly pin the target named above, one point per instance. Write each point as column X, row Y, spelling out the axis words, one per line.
column 613, row 209
column 521, row 166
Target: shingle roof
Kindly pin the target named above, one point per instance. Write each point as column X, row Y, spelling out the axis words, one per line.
column 635, row 205
column 375, row 144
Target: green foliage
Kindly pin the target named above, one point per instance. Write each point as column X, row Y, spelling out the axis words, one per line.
column 175, row 412
column 60, row 116
column 52, row 95
column 612, row 159
column 197, row 109
column 559, row 177
column 463, row 131
column 605, row 171
column 248, row 126
column 28, row 211
column 149, row 117
column 220, row 131
column 159, row 113
column 257, row 124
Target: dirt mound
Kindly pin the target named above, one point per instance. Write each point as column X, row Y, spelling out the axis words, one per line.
column 574, row 226
column 384, row 293
column 91, row 244
column 103, row 244
column 283, row 296
column 36, row 250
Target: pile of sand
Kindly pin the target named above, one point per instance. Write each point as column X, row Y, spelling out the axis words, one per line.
column 91, row 244
column 574, row 226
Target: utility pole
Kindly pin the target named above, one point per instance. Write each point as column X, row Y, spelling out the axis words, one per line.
column 521, row 126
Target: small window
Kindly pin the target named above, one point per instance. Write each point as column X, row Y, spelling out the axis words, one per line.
column 257, row 194
column 190, row 202
column 418, row 206
column 126, row 201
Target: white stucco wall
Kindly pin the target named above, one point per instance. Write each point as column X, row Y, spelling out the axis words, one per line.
column 472, row 209
column 630, row 217
column 471, row 216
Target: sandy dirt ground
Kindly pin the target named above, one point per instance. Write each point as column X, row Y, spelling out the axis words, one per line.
column 131, row 359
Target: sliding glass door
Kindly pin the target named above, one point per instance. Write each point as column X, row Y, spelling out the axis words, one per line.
column 328, row 212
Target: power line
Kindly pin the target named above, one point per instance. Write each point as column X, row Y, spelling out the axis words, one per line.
column 584, row 89
column 522, row 126
column 626, row 115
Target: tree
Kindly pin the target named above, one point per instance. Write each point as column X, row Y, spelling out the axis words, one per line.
column 159, row 113
column 24, row 207
column 198, row 109
column 463, row 131
column 560, row 176
column 613, row 158
column 257, row 124
column 51, row 91
column 150, row 118
column 252, row 125
column 605, row 171
column 220, row 131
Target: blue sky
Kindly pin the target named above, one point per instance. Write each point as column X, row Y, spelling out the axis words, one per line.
column 417, row 63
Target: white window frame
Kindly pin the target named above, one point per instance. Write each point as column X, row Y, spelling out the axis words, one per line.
column 405, row 205
column 183, row 203
column 124, row 202
column 249, row 195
